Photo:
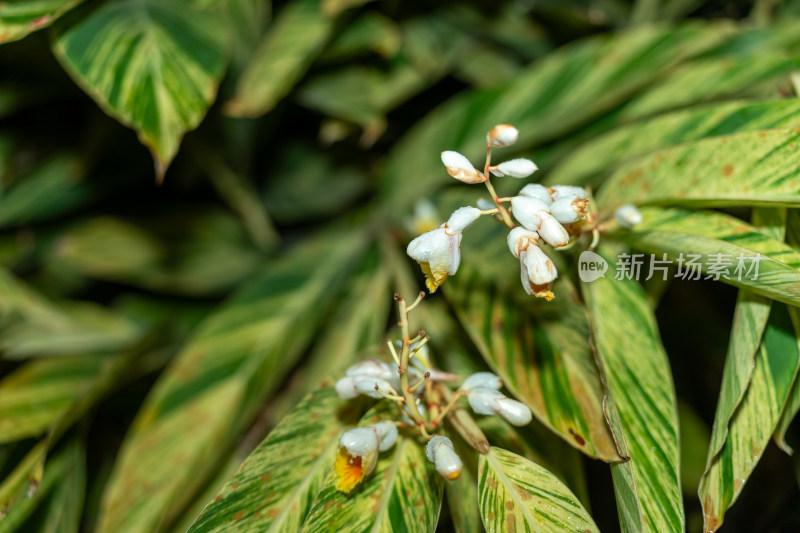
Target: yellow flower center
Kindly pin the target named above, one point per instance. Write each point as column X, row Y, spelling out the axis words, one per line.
column 349, row 471
column 433, row 279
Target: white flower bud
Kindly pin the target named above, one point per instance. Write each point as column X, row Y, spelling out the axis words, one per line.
column 538, row 191
column 366, row 385
column 514, row 412
column 387, row 434
column 359, row 441
column 483, row 380
column 502, row 135
column 559, row 191
column 442, row 454
column 540, row 268
column 552, row 232
column 492, row 402
column 346, row 388
column 462, row 218
column 569, row 209
column 484, row 401
column 485, row 204
column 628, row 216
column 516, row 168
column 519, row 238
column 372, row 368
column 460, row 168
column 528, row 211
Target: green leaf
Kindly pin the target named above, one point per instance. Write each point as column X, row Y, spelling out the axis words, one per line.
column 32, row 325
column 543, row 361
column 152, row 65
column 793, row 403
column 516, row 494
column 712, row 236
column 57, row 504
column 404, row 493
column 219, row 380
column 605, row 152
column 757, row 416
column 38, row 393
column 749, row 322
column 553, row 97
column 295, row 38
column 750, row 168
column 642, row 404
column 706, row 80
column 275, row 486
column 49, row 189
column 19, row 18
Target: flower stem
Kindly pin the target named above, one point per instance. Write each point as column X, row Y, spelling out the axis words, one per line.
column 411, row 404
column 501, row 208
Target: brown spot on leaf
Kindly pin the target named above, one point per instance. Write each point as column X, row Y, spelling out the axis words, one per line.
column 523, row 494
column 265, row 477
column 727, row 170
column 511, row 524
column 238, row 515
column 490, row 516
column 218, row 497
column 235, row 485
column 491, row 482
column 580, row 440
column 509, row 505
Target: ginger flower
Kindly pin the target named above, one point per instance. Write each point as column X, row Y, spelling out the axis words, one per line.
column 535, row 216
column 537, row 271
column 358, row 453
column 438, row 251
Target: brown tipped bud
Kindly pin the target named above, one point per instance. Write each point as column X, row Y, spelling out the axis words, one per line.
column 502, row 135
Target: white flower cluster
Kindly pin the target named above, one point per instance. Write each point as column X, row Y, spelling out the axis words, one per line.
column 545, row 214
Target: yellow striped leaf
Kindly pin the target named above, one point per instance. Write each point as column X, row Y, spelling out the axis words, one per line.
column 605, row 152
column 750, row 168
column 793, row 403
column 642, row 405
column 749, row 322
column 719, row 241
column 756, row 417
column 552, row 97
column 275, row 486
column 516, row 494
column 544, row 361
column 37, row 394
column 152, row 65
column 19, row 18
column 219, row 381
column 294, row 39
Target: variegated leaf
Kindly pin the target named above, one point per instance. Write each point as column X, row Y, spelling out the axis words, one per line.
column 749, row 322
column 549, row 99
column 722, row 246
column 18, row 18
column 544, row 361
column 750, row 168
column 295, row 37
column 605, row 152
column 152, row 65
column 757, row 416
column 276, row 485
column 218, row 382
column 641, row 405
column 516, row 494
column 793, row 403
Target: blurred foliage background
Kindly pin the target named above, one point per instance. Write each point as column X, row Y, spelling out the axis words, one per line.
column 166, row 300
